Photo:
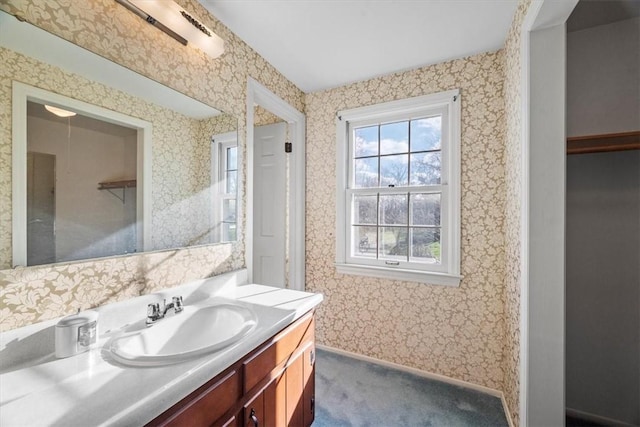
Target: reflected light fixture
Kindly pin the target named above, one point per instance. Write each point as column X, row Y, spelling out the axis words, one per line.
column 59, row 111
column 174, row 20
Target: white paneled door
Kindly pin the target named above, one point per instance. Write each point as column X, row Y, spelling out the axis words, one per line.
column 269, row 205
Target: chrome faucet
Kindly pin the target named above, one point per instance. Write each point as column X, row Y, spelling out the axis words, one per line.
column 156, row 312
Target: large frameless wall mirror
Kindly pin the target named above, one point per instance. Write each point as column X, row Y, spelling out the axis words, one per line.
column 105, row 161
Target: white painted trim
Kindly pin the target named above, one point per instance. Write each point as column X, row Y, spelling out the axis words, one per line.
column 257, row 94
column 144, row 174
column 219, row 142
column 420, row 276
column 20, row 94
column 527, row 25
column 446, row 273
column 401, row 106
column 541, row 14
column 414, row 371
column 593, row 418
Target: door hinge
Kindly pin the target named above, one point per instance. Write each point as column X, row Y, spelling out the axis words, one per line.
column 288, row 147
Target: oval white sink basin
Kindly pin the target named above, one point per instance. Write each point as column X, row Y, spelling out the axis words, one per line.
column 194, row 332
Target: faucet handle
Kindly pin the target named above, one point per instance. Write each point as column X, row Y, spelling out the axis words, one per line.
column 178, row 306
column 153, row 310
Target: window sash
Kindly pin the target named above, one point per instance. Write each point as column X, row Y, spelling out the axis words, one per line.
column 406, row 264
column 424, row 112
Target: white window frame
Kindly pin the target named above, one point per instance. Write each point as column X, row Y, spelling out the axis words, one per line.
column 448, row 271
column 219, row 146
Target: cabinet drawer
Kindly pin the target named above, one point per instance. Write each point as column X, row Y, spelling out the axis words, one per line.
column 206, row 404
column 258, row 366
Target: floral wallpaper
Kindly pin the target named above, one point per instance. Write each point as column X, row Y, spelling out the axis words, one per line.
column 453, row 331
column 470, row 332
column 513, row 159
column 33, row 294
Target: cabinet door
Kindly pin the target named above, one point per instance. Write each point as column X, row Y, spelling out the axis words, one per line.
column 295, row 391
column 254, row 411
column 275, row 402
column 309, row 394
column 301, row 389
column 234, row 421
column 261, row 411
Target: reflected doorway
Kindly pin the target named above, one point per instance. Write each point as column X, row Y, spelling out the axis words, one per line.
column 41, row 208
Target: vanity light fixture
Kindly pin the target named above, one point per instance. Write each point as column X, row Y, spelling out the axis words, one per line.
column 59, row 111
column 178, row 23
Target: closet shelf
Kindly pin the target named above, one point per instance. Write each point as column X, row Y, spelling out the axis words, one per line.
column 111, row 185
column 603, row 143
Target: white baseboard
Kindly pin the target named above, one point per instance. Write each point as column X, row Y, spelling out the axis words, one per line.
column 424, row 374
column 596, row 418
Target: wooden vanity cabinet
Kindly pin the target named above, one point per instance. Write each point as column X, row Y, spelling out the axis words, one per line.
column 273, row 385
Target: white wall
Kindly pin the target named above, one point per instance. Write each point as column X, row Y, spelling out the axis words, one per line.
column 603, row 89
column 603, row 285
column 89, row 223
column 544, row 295
column 603, row 225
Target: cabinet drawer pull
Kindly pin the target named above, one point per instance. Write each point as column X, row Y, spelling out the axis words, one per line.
column 253, row 417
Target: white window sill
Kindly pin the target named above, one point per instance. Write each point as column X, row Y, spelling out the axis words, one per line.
column 400, row 274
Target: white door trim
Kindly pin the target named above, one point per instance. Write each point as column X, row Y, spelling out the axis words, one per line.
column 257, row 94
column 541, row 392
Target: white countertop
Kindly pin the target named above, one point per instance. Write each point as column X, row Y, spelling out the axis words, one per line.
column 92, row 389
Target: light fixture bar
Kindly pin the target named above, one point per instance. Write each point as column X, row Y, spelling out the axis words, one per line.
column 180, row 24
column 151, row 20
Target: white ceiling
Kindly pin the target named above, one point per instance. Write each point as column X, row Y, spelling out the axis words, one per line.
column 319, row 44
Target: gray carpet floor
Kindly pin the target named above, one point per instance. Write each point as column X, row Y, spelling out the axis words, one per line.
column 351, row 392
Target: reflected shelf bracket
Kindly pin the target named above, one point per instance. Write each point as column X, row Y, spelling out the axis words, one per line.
column 114, row 185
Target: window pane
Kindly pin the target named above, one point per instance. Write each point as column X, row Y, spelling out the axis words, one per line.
column 394, row 170
column 425, row 209
column 393, row 243
column 232, row 158
column 366, row 172
column 425, row 168
column 364, row 242
column 426, row 134
column 394, row 138
column 231, row 184
column 393, row 209
column 366, row 141
column 425, row 245
column 365, row 209
column 229, row 210
column 229, row 232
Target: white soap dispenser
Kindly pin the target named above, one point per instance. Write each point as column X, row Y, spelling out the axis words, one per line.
column 76, row 333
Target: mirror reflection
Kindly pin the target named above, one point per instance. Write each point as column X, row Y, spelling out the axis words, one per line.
column 88, row 186
column 81, row 186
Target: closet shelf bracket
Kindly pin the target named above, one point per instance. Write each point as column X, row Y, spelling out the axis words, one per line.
column 115, row 185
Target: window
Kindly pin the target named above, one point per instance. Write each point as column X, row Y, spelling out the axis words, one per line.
column 226, row 174
column 399, row 190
